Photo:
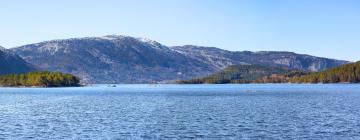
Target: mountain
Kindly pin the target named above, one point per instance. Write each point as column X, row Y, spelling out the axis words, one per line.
column 237, row 74
column 220, row 59
column 12, row 63
column 113, row 59
column 124, row 59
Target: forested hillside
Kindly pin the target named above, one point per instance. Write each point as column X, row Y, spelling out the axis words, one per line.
column 39, row 79
column 349, row 73
column 346, row 73
column 237, row 74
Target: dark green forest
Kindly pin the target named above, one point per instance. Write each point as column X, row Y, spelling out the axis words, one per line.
column 237, row 74
column 348, row 73
column 39, row 79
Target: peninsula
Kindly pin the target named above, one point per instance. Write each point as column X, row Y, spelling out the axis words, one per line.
column 39, row 79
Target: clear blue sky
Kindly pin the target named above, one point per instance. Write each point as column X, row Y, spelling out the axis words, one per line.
column 329, row 28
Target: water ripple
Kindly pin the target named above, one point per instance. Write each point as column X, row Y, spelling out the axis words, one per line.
column 182, row 112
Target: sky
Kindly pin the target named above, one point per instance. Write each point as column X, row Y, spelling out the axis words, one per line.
column 326, row 28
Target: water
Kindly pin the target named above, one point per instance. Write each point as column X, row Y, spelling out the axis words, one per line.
column 182, row 112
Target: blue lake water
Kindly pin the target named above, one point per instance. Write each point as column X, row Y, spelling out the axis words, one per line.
column 268, row 111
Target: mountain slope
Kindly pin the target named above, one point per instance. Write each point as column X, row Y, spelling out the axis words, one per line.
column 220, row 59
column 12, row 63
column 112, row 59
column 237, row 74
column 124, row 59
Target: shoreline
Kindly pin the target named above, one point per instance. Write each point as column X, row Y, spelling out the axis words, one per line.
column 116, row 85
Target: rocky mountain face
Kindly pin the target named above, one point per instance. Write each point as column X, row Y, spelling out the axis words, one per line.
column 124, row 59
column 12, row 63
column 220, row 59
column 113, row 59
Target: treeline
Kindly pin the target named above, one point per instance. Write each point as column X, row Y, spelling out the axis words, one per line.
column 281, row 78
column 237, row 74
column 349, row 73
column 39, row 79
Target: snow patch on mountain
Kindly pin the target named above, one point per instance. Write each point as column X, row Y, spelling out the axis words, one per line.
column 51, row 48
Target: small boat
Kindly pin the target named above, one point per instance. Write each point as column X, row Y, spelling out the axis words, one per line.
column 111, row 85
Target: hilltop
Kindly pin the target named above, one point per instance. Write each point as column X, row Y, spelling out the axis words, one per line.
column 12, row 63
